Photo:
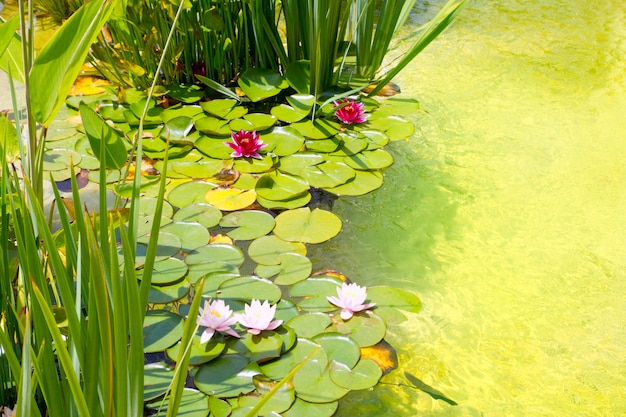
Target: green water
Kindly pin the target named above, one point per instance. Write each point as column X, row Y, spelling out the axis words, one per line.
column 506, row 212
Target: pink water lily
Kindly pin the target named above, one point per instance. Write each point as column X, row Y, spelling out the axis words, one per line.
column 349, row 111
column 216, row 317
column 258, row 317
column 7, row 412
column 246, row 144
column 350, row 298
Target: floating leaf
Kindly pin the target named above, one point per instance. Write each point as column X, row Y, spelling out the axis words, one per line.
column 191, row 235
column 318, row 129
column 216, row 272
column 185, row 93
column 383, row 354
column 57, row 159
column 249, row 288
column 284, row 140
column 205, row 214
column 292, row 268
column 177, row 130
column 312, row 383
column 201, row 352
column 289, row 204
column 350, row 145
column 169, row 293
column 260, row 83
column 362, row 183
column 187, row 193
column 375, row 139
column 193, row 403
column 230, row 199
column 264, row 346
column 400, row 105
column 396, row 128
column 295, row 164
column 309, row 325
column 298, row 76
column 366, row 329
column 216, row 252
column 213, row 126
column 225, row 376
column 266, row 250
column 376, row 159
column 277, row 186
column 166, row 271
column 279, row 368
column 203, row 169
column 287, row 113
column 168, row 245
column 224, row 108
column 302, row 408
column 279, row 401
column 148, row 206
column 157, row 380
column 304, row 225
column 324, row 145
column 363, row 376
column 248, row 224
column 328, row 174
column 161, row 329
column 260, row 121
column 253, row 165
column 194, row 112
column 339, row 348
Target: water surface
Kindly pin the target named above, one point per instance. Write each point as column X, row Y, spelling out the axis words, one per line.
column 506, row 212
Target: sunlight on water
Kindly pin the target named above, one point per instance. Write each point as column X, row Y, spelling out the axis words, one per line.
column 506, row 212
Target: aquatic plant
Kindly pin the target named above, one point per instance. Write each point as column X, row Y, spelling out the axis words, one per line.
column 216, row 317
column 350, row 298
column 349, row 111
column 258, row 317
column 246, row 144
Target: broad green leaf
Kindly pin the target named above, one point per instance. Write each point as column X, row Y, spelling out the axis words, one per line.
column 313, row 384
column 292, row 268
column 304, row 225
column 216, row 252
column 161, row 329
column 98, row 130
column 253, row 165
column 205, row 214
column 283, row 140
column 205, row 168
column 214, row 147
column 260, row 121
column 157, row 378
column 8, row 140
column 10, row 48
column 224, row 108
column 168, row 245
column 264, row 346
column 363, row 376
column 249, row 288
column 350, row 145
column 167, row 271
column 191, row 235
column 187, row 193
column 195, row 112
column 339, row 348
column 301, row 408
column 192, row 404
column 259, row 83
column 328, row 174
column 298, row 76
column 294, row 164
column 375, row 139
column 277, row 186
column 60, row 60
column 177, row 130
column 318, row 129
column 324, row 145
column 213, row 126
column 277, row 369
column 376, row 159
column 248, row 224
column 185, row 93
column 201, row 352
column 289, row 204
column 365, row 328
column 266, row 250
column 396, row 128
column 280, row 400
column 362, row 183
column 225, row 377
column 287, row 113
column 400, row 105
column 309, row 325
column 389, row 297
column 167, row 294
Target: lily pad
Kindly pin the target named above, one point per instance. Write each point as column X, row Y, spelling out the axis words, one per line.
column 302, row 408
column 298, row 76
column 266, row 250
column 277, row 186
column 168, row 245
column 350, row 145
column 292, row 268
column 315, row 290
column 219, row 107
column 288, row 204
column 253, row 165
column 279, row 400
column 205, row 214
column 216, row 252
column 376, row 159
column 260, row 83
column 214, row 147
column 284, row 140
column 166, row 294
column 225, row 376
column 147, row 207
column 328, row 174
column 322, row 145
column 193, row 403
column 213, row 126
column 58, row 159
column 178, row 129
column 396, row 128
column 200, row 352
column 309, row 325
column 205, row 168
column 339, row 348
column 161, row 329
column 248, row 224
column 362, row 183
column 194, row 112
column 366, row 329
column 312, row 383
column 214, row 272
column 166, row 271
column 157, row 380
column 318, row 129
column 230, row 199
column 188, row 193
column 264, row 346
column 279, row 368
column 191, row 235
column 375, row 139
column 249, row 288
column 400, row 105
column 295, row 164
column 260, row 121
column 304, row 225
column 288, row 114
column 363, row 376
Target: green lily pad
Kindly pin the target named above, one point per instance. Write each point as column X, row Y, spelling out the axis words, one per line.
column 112, row 110
column 178, row 129
column 214, row 272
column 225, row 376
column 283, row 140
column 400, row 105
column 396, row 128
column 285, row 311
column 219, row 107
column 292, row 268
column 241, row 124
column 58, row 159
column 389, row 300
column 161, row 329
column 246, row 181
column 288, row 204
column 200, row 352
column 315, row 290
column 167, row 294
column 298, row 76
column 156, row 379
column 168, row 245
column 376, row 159
column 147, row 206
column 328, row 174
column 187, row 193
column 266, row 250
column 350, row 145
column 205, row 214
column 219, row 408
column 318, row 129
column 363, row 376
column 260, row 83
column 279, row 401
column 213, row 126
column 144, row 226
column 249, row 288
column 279, row 368
column 339, row 348
column 194, row 112
column 309, row 325
column 214, row 147
column 193, row 403
column 260, row 121
column 366, row 329
column 264, row 346
column 375, row 139
column 253, row 165
column 191, row 235
column 287, row 113
column 302, row 408
column 248, row 224
column 277, row 186
column 205, row 168
column 216, row 252
column 312, row 383
column 294, row 164
column 362, row 183
column 322, row 145
column 230, row 199
column 166, row 271
column 304, row 225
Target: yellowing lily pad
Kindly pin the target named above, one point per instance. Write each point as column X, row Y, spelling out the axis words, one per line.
column 230, row 199
column 304, row 225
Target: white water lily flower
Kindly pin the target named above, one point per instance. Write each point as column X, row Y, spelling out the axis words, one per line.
column 7, row 412
column 350, row 298
column 216, row 318
column 258, row 317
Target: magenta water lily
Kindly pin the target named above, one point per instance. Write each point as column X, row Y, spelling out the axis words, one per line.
column 258, row 317
column 246, row 144
column 349, row 111
column 350, row 298
column 216, row 317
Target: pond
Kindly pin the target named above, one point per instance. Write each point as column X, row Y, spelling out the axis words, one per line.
column 506, row 212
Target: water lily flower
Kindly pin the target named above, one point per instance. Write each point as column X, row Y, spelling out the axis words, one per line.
column 258, row 317
column 350, row 299
column 216, row 317
column 349, row 111
column 245, row 144
column 7, row 412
